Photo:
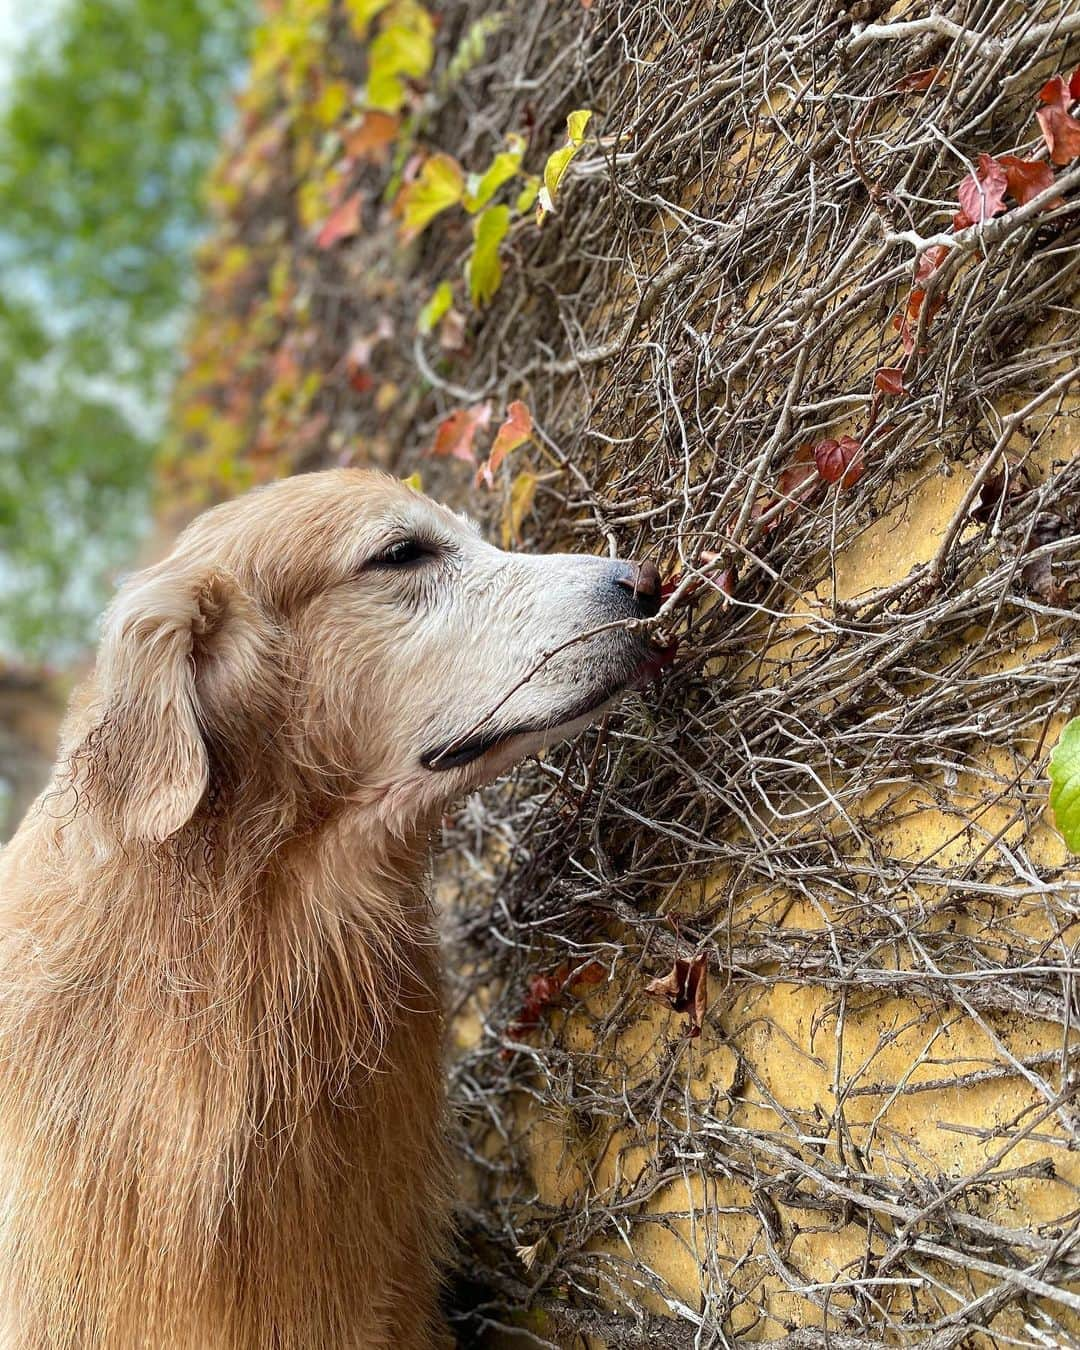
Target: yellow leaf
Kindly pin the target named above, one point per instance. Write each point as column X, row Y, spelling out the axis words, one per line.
column 404, row 47
column 484, row 270
column 576, row 124
column 518, row 506
column 557, row 163
column 502, row 168
column 440, row 184
column 361, row 12
column 331, row 103
column 441, row 300
column 414, row 481
column 559, row 160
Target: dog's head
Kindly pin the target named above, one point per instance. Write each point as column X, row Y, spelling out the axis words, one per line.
column 344, row 632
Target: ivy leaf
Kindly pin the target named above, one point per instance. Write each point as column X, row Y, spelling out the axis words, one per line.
column 1027, row 178
column 502, row 168
column 518, row 506
column 405, row 47
column 515, row 431
column 982, row 194
column 1065, row 784
column 917, row 81
column 342, row 222
column 484, row 270
column 441, row 299
column 527, row 196
column 371, row 137
column 1061, row 132
column 559, row 160
column 439, row 185
column 576, row 124
column 840, row 461
column 361, row 12
column 685, row 989
column 890, row 380
column 455, row 434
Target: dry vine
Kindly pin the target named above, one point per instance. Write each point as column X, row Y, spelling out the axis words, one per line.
column 755, row 207
column 759, row 210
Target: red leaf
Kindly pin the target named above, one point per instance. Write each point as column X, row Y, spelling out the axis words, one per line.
column 840, row 461
column 930, row 260
column 685, row 989
column 960, row 221
column 1074, row 85
column 916, row 81
column 1027, row 178
column 456, row 433
column 515, row 431
column 982, row 194
column 798, row 480
column 1060, row 132
column 1055, row 93
column 890, row 380
column 342, row 222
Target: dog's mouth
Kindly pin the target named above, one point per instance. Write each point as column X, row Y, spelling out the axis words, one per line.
column 456, row 754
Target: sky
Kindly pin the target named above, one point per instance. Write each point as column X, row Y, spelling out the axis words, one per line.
column 19, row 21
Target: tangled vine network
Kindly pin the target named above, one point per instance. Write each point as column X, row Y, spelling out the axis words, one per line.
column 764, row 991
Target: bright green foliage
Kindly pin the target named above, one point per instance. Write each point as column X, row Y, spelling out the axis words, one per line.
column 1065, row 784
column 103, row 146
column 484, row 267
column 441, row 300
column 502, row 168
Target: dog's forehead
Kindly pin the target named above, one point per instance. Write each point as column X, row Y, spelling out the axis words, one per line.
column 306, row 531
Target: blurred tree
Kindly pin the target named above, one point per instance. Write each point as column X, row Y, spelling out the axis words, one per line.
column 105, row 140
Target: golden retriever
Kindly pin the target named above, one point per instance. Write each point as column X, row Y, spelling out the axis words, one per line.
column 221, row 1089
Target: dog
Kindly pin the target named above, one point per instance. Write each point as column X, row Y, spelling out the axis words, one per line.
column 221, row 1085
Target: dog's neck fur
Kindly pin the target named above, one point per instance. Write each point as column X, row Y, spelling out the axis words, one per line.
column 248, row 1017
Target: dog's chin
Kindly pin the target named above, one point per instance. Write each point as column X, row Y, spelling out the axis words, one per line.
column 487, row 754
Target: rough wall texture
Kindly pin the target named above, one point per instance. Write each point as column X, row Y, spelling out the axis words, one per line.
column 765, row 338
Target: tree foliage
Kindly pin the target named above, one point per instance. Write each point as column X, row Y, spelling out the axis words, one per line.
column 103, row 147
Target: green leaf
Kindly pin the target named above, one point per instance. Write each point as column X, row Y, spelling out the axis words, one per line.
column 502, row 168
column 527, row 195
column 576, row 124
column 439, row 185
column 441, row 300
column 1065, row 784
column 484, row 269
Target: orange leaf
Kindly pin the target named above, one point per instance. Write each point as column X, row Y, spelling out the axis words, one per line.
column 456, row 433
column 515, row 431
column 917, row 81
column 372, row 136
column 342, row 222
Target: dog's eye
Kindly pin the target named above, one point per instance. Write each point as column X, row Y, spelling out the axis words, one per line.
column 402, row 554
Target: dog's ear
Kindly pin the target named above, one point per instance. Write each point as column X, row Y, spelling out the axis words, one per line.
column 175, row 641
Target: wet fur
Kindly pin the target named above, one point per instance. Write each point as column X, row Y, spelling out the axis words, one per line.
column 221, row 1096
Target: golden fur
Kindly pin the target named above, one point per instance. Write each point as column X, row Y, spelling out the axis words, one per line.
column 221, row 1099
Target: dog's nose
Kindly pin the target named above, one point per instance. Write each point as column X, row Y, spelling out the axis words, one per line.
column 643, row 579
